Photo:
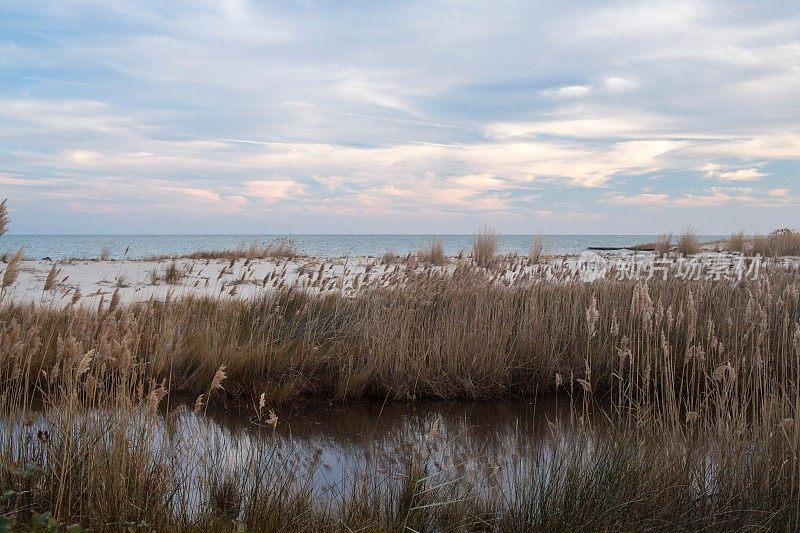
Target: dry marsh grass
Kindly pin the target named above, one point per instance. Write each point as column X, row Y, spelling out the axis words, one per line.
column 484, row 247
column 434, row 255
column 536, row 250
column 688, row 243
column 663, row 244
column 782, row 242
column 282, row 248
column 698, row 379
column 737, row 243
column 173, row 274
column 786, row 242
column 449, row 336
column 12, row 270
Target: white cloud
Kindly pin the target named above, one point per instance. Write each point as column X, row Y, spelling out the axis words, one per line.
column 712, row 197
column 273, row 190
column 569, row 91
column 645, row 199
column 415, row 109
column 714, row 170
column 618, row 85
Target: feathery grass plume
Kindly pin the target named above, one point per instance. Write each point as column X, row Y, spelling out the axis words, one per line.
column 536, row 249
column 737, row 243
column 198, row 403
column 12, row 269
column 262, row 401
column 219, row 376
column 155, row 396
column 50, row 282
column 76, row 296
column 84, row 364
column 484, row 246
column 105, row 253
column 688, row 243
column 272, row 419
column 3, row 217
column 112, row 306
column 663, row 244
column 216, row 384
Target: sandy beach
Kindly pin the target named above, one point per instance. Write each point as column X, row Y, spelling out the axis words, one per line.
column 142, row 280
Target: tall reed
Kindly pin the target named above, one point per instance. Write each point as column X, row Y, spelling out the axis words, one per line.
column 434, row 254
column 536, row 249
column 699, row 381
column 688, row 243
column 484, row 246
column 11, row 273
column 737, row 243
column 663, row 244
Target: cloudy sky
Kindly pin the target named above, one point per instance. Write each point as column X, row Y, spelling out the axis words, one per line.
column 399, row 117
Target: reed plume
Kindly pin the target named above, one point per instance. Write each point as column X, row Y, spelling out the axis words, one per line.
column 3, row 217
column 12, row 269
column 76, row 296
column 50, row 282
column 219, row 376
column 115, row 299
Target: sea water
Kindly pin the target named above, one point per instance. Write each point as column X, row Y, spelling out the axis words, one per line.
column 139, row 246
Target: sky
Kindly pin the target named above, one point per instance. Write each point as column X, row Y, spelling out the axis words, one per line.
column 400, row 117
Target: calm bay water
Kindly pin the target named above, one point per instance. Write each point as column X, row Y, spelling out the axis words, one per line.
column 89, row 246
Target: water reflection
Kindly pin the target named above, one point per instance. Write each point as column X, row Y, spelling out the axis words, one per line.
column 328, row 444
column 329, row 450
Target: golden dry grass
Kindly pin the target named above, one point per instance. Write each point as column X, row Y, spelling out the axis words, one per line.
column 688, row 243
column 782, row 242
column 663, row 244
column 11, row 273
column 448, row 336
column 536, row 251
column 434, row 255
column 738, row 243
column 484, row 247
column 700, row 380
